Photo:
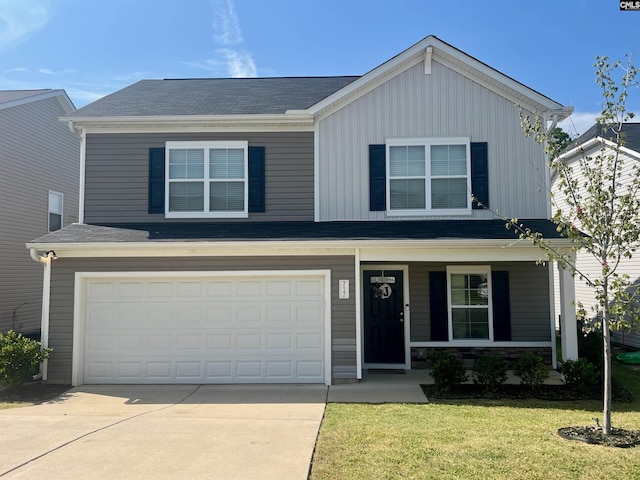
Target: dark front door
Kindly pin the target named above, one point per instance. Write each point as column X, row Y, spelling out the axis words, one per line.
column 383, row 316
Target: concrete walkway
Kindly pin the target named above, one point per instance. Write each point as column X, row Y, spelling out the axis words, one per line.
column 165, row 432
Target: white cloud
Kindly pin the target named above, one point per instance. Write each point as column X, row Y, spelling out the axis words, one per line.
column 228, row 35
column 579, row 122
column 240, row 64
column 46, row 71
column 19, row 19
column 226, row 25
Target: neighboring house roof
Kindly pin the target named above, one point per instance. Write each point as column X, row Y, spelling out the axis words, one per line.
column 12, row 98
column 215, row 96
column 630, row 132
column 291, row 231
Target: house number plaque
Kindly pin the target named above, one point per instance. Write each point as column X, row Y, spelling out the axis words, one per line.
column 382, row 280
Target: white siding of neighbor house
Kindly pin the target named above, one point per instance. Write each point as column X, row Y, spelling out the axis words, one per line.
column 37, row 154
column 586, row 263
column 442, row 104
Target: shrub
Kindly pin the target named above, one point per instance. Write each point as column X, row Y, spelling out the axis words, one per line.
column 447, row 371
column 490, row 371
column 19, row 357
column 590, row 346
column 580, row 374
column 531, row 370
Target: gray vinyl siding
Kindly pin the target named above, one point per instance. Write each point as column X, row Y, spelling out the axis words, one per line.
column 37, row 154
column 116, row 187
column 529, row 300
column 415, row 105
column 343, row 327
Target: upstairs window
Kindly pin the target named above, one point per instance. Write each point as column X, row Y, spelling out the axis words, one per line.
column 56, row 201
column 428, row 175
column 206, row 179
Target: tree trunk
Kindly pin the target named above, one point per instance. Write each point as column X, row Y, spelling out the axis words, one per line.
column 606, row 340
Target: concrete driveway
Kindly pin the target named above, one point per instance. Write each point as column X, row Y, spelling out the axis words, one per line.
column 177, row 431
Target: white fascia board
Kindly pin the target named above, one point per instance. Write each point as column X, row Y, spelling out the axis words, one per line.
column 192, row 123
column 370, row 250
column 63, row 98
column 589, row 144
column 452, row 58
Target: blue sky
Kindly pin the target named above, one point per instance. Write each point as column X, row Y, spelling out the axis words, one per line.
column 94, row 47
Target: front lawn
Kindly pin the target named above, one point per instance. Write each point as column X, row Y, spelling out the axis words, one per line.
column 474, row 439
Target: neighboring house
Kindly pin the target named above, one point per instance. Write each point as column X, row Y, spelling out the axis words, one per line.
column 592, row 143
column 39, row 183
column 303, row 229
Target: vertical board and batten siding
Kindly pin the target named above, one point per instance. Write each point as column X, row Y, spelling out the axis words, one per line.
column 343, row 328
column 37, row 154
column 414, row 105
column 117, row 175
column 529, row 300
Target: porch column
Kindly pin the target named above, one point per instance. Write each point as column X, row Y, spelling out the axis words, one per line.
column 568, row 325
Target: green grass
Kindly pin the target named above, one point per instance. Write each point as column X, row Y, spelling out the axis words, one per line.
column 479, row 439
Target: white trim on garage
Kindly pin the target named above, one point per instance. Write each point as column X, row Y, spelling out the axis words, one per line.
column 82, row 279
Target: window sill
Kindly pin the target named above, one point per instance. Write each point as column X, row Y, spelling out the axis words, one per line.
column 212, row 215
column 429, row 213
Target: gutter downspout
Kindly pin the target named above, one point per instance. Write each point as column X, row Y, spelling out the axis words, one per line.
column 46, row 295
column 82, row 135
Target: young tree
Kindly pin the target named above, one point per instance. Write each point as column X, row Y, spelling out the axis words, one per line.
column 597, row 206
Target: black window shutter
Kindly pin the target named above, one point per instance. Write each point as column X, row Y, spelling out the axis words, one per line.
column 480, row 173
column 438, row 306
column 501, row 308
column 156, row 180
column 256, row 179
column 377, row 178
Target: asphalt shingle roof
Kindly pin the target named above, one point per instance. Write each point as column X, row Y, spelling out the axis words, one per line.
column 293, row 231
column 631, row 132
column 215, row 96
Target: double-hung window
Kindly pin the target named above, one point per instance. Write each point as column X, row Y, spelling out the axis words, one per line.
column 470, row 309
column 56, row 201
column 430, row 175
column 206, row 179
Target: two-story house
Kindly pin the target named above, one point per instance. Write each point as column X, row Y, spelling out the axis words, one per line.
column 39, row 183
column 303, row 229
column 592, row 143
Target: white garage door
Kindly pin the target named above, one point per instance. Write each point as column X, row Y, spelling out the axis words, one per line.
column 253, row 329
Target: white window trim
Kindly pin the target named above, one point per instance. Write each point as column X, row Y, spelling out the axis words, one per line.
column 206, row 145
column 50, row 211
column 427, row 142
column 470, row 269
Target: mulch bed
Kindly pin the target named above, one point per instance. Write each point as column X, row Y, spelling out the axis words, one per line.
column 521, row 392
column 32, row 392
column 594, row 435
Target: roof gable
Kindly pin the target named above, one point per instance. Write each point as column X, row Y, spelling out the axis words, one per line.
column 597, row 135
column 432, row 49
column 13, row 98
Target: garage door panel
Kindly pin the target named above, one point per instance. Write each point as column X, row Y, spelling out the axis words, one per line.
column 204, row 330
